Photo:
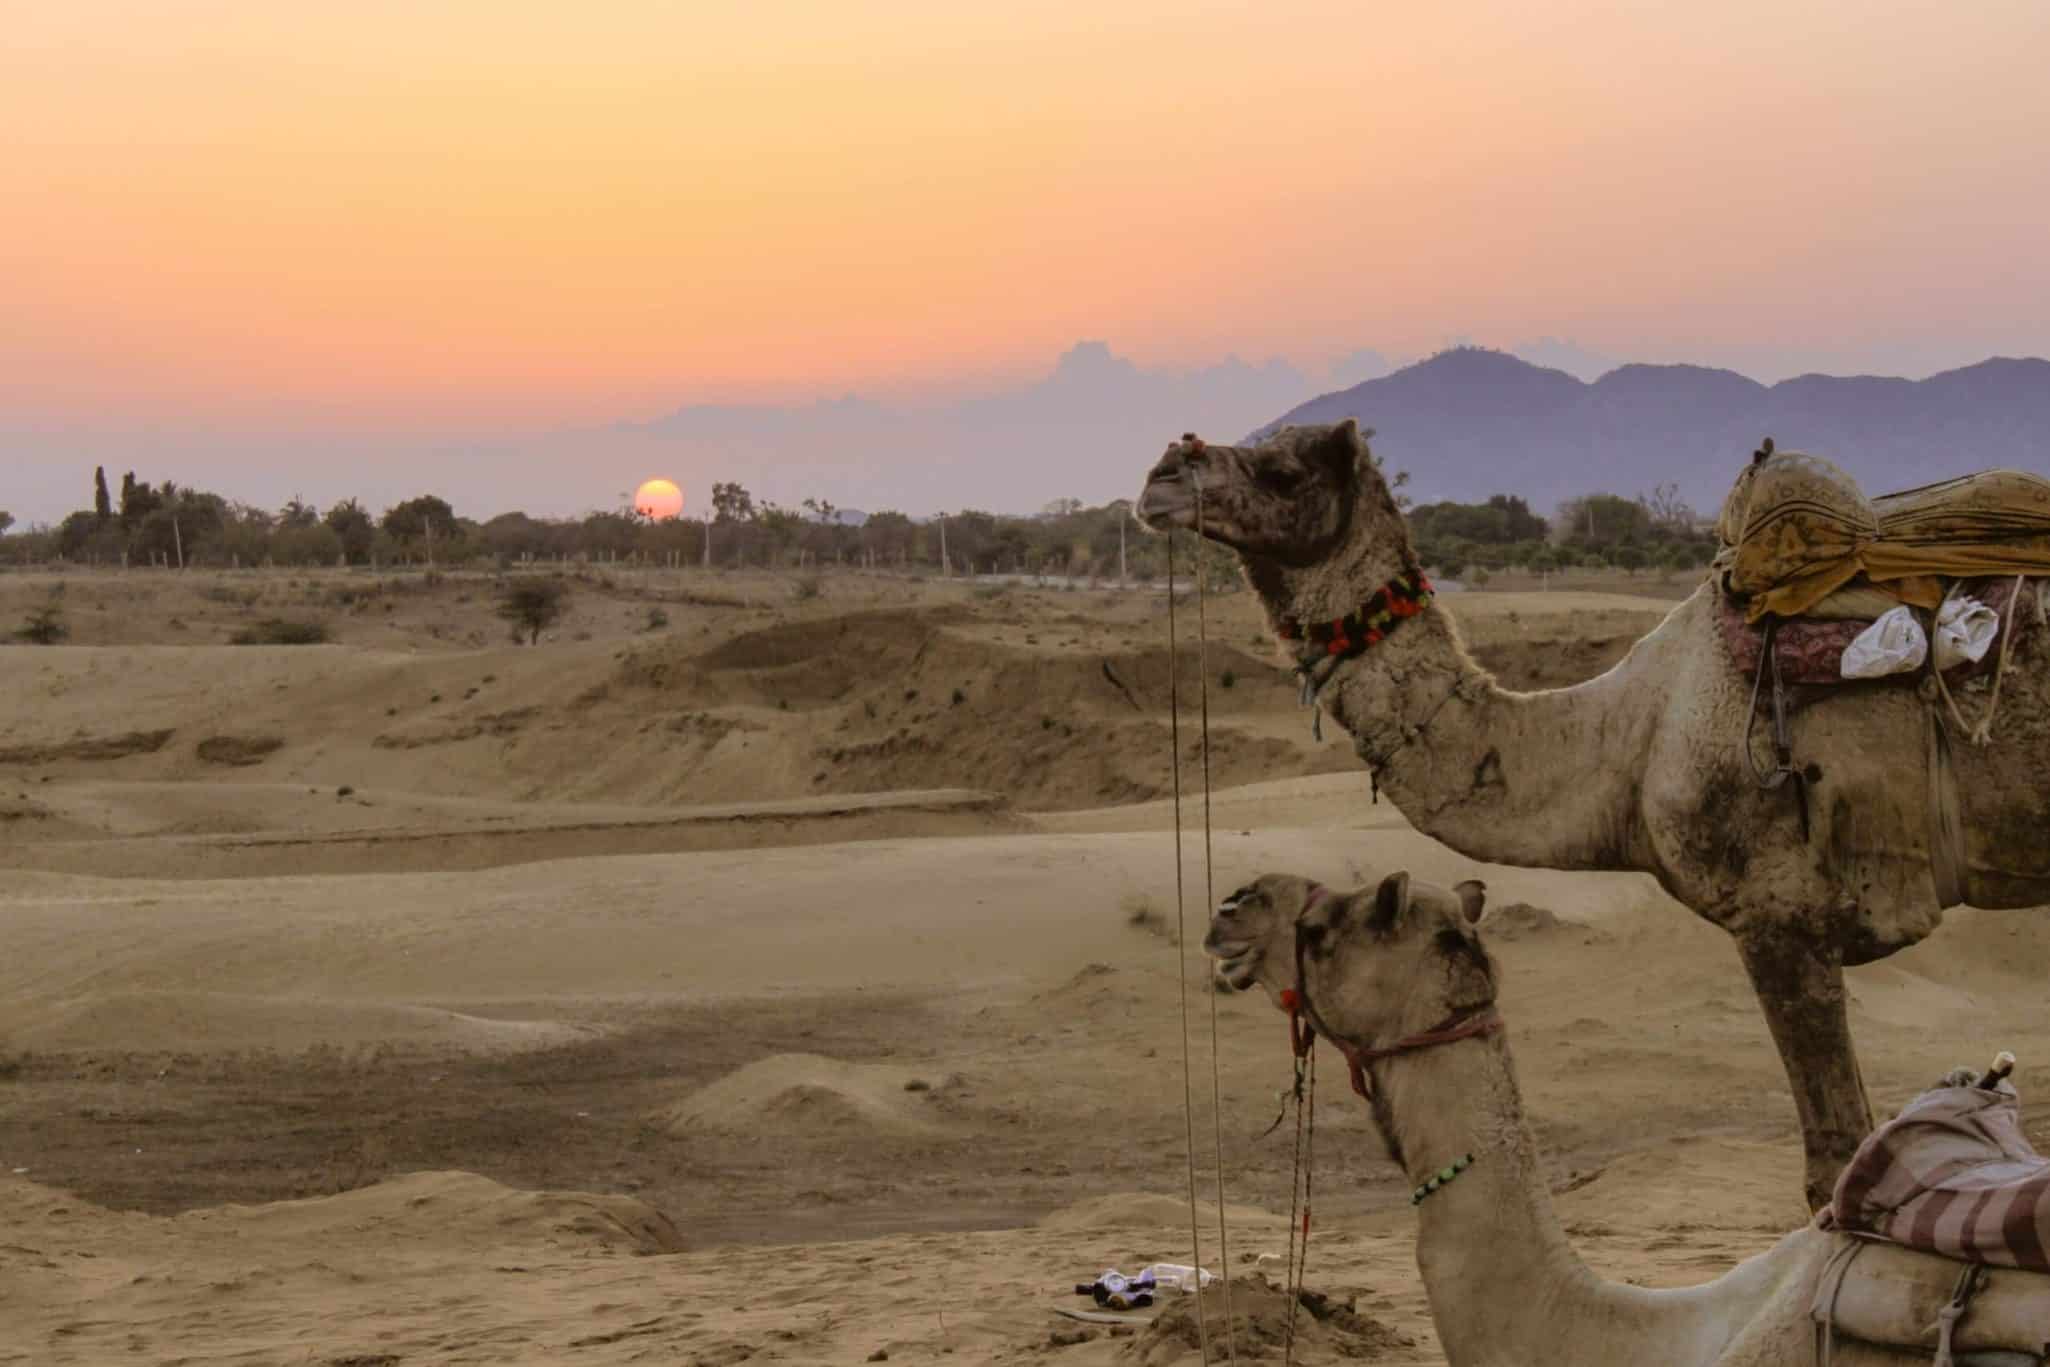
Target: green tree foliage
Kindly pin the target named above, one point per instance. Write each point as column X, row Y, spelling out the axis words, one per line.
column 418, row 519
column 103, row 507
column 532, row 606
column 6, row 521
column 731, row 503
column 353, row 529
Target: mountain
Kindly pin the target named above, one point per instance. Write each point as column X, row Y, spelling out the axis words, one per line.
column 1470, row 422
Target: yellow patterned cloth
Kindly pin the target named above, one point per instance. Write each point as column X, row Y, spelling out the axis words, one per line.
column 1796, row 529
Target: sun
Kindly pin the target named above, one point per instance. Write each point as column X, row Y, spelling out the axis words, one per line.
column 658, row 499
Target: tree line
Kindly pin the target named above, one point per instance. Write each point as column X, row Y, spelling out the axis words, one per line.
column 171, row 525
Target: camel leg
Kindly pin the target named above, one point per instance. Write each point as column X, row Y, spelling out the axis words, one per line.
column 1800, row 985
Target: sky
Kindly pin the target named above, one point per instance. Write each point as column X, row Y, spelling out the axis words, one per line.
column 356, row 248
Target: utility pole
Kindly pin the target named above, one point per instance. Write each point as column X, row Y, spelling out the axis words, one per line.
column 946, row 565
column 1121, row 550
column 178, row 540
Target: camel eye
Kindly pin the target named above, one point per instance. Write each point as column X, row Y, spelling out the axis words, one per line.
column 1278, row 476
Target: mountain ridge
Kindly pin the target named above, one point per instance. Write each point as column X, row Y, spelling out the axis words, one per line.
column 1470, row 422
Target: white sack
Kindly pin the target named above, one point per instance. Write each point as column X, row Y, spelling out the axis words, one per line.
column 1894, row 644
column 1965, row 628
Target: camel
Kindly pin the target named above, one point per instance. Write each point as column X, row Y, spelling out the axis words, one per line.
column 1643, row 768
column 1382, row 966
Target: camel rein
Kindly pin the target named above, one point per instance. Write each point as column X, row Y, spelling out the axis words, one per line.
column 1181, row 931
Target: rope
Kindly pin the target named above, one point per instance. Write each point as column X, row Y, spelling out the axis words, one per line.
column 1298, row 1259
column 1210, row 900
column 1181, row 940
column 1983, row 732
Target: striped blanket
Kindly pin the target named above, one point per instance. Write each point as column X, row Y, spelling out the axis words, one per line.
column 1952, row 1174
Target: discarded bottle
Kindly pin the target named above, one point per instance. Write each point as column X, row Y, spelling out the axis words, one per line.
column 1115, row 1291
column 1175, row 1276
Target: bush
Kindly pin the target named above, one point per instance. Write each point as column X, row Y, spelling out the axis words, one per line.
column 807, row 587
column 276, row 631
column 44, row 626
column 532, row 606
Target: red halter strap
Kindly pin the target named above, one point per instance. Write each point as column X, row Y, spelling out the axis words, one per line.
column 1302, row 1032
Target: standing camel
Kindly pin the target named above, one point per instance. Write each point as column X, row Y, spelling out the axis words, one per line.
column 1643, row 768
column 1397, row 978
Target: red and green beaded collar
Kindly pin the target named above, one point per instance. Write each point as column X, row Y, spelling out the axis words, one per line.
column 1395, row 602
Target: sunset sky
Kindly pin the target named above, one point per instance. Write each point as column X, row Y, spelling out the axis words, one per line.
column 318, row 246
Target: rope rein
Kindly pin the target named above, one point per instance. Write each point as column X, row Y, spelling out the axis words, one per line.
column 1210, row 901
column 1181, row 939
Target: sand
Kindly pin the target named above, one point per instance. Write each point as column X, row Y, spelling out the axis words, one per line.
column 697, row 995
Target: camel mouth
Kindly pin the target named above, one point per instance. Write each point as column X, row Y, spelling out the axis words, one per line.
column 1237, row 964
column 1165, row 502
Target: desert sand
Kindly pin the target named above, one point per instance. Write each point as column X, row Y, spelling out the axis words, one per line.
column 739, row 976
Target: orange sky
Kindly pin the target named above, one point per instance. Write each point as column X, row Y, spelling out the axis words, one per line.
column 418, row 214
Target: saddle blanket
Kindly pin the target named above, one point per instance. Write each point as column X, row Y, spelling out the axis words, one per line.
column 1952, row 1174
column 1811, row 650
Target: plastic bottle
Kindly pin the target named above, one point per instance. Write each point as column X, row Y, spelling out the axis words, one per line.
column 1174, row 1276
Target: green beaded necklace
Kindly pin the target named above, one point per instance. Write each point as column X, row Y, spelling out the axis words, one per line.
column 1442, row 1177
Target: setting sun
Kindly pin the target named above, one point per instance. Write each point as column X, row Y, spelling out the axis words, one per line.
column 659, row 499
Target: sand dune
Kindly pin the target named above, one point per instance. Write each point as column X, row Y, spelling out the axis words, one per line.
column 809, row 1093
column 427, row 937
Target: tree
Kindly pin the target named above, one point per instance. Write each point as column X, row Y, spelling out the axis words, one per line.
column 1629, row 557
column 425, row 516
column 782, row 525
column 138, row 501
column 6, row 521
column 1669, row 512
column 103, row 507
column 532, row 606
column 731, row 503
column 352, row 525
column 296, row 515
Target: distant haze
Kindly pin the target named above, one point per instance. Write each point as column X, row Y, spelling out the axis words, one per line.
column 483, row 248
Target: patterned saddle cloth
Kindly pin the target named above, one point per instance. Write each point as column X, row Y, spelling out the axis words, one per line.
column 1796, row 529
column 1945, row 1213
column 1810, row 650
column 1952, row 1174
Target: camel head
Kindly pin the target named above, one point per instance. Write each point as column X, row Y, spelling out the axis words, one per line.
column 1377, row 963
column 1292, row 498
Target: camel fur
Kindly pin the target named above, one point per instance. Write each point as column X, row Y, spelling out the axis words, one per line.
column 1644, row 768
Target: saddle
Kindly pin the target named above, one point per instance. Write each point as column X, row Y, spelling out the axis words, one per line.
column 1796, row 529
column 1959, row 1314
column 1941, row 1220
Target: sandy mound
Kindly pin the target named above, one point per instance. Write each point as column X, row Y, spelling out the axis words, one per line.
column 1325, row 1328
column 1143, row 1210
column 455, row 1209
column 810, row 1094
column 207, row 1021
column 1522, row 921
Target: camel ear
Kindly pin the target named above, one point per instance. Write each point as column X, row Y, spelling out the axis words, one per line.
column 1473, row 899
column 1391, row 901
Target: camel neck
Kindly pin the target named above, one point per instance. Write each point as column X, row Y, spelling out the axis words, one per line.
column 1546, row 779
column 1504, row 1284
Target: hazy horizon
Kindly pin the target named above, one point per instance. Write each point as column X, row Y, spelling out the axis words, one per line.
column 486, row 251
